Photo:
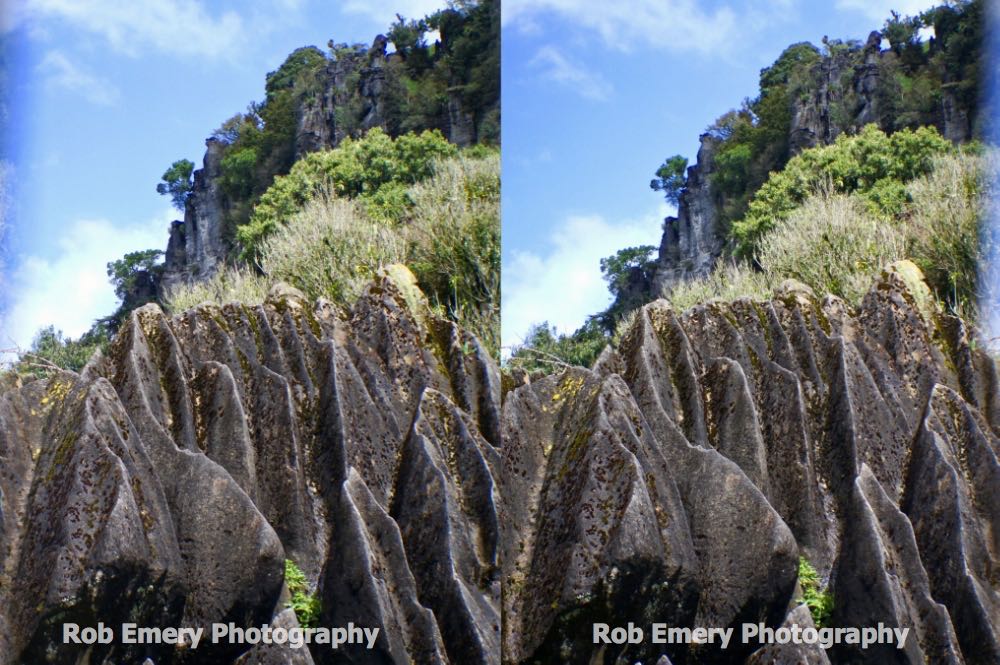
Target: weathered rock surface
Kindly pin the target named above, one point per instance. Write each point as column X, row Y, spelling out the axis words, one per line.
column 681, row 479
column 167, row 484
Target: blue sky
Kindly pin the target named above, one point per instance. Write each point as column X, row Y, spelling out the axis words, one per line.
column 595, row 96
column 108, row 94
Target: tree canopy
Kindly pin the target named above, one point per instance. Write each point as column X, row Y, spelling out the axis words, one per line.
column 177, row 182
column 670, row 178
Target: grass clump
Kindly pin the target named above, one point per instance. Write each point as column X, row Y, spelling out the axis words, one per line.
column 306, row 606
column 816, row 597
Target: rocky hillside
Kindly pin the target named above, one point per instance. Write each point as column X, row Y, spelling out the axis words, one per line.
column 400, row 83
column 809, row 97
column 681, row 480
column 169, row 481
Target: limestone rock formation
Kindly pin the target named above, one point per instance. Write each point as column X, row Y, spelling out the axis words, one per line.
column 681, row 479
column 168, row 483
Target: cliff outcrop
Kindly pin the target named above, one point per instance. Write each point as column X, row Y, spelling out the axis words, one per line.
column 357, row 89
column 848, row 86
column 681, row 480
column 167, row 483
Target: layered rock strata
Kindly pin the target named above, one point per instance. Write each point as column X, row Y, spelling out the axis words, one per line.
column 167, row 484
column 681, row 480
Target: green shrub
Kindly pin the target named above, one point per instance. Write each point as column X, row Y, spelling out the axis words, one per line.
column 944, row 230
column 51, row 351
column 545, row 350
column 453, row 240
column 727, row 282
column 868, row 164
column 375, row 169
column 332, row 246
column 226, row 285
column 832, row 244
column 838, row 243
column 306, row 606
column 816, row 597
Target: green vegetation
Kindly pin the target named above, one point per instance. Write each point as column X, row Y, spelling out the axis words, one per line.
column 374, row 169
column 134, row 278
column 332, row 246
column 51, row 351
column 838, row 242
column 915, row 80
column 832, row 216
column 259, row 144
column 874, row 165
column 670, row 178
column 177, row 182
column 545, row 350
column 816, row 597
column 306, row 606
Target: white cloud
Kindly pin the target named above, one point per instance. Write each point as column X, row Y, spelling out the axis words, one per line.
column 557, row 68
column 878, row 10
column 681, row 25
column 563, row 285
column 176, row 27
column 384, row 11
column 61, row 72
column 70, row 290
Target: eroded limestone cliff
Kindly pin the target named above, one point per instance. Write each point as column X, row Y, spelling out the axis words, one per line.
column 169, row 481
column 681, row 480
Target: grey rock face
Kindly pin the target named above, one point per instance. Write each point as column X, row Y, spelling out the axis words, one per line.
column 167, row 484
column 196, row 247
column 694, row 240
column 681, row 480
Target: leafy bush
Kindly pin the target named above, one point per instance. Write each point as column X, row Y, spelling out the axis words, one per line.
column 374, row 169
column 545, row 350
column 836, row 243
column 816, row 597
column 51, row 351
column 307, row 606
column 866, row 163
column 332, row 246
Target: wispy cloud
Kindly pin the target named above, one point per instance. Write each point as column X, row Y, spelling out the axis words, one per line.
column 61, row 72
column 175, row 27
column 555, row 67
column 70, row 289
column 680, row 25
column 878, row 10
column 563, row 285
